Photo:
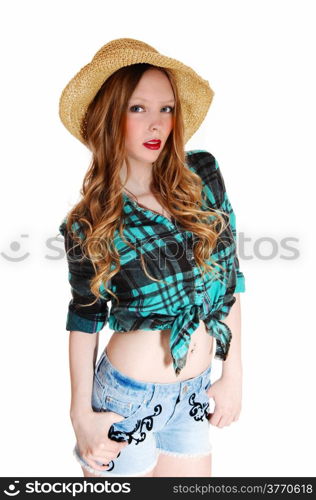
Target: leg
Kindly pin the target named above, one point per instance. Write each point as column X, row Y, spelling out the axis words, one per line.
column 87, row 473
column 182, row 466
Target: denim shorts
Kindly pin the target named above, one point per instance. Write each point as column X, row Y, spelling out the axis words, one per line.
column 158, row 418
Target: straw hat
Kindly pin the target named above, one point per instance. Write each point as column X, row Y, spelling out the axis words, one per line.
column 195, row 93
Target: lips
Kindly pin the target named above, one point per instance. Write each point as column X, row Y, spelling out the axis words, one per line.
column 154, row 144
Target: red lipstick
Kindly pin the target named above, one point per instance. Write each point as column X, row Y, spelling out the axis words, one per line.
column 154, row 144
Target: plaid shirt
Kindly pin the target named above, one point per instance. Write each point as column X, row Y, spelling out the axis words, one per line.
column 184, row 297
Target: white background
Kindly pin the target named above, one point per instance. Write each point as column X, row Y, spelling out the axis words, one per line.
column 259, row 59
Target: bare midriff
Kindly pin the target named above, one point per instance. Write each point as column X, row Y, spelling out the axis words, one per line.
column 145, row 354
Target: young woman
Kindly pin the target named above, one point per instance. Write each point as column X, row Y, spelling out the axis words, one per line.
column 154, row 233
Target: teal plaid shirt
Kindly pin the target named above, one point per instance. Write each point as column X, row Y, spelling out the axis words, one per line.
column 184, row 297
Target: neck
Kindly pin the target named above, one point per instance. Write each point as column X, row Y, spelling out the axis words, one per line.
column 139, row 178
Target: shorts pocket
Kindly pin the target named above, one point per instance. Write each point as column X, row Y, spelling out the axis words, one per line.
column 116, row 399
column 138, row 417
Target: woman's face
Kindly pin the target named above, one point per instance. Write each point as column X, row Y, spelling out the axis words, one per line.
column 149, row 116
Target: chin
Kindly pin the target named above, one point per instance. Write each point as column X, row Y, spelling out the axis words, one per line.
column 149, row 155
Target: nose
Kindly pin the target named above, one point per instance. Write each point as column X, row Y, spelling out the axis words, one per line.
column 155, row 125
column 156, row 121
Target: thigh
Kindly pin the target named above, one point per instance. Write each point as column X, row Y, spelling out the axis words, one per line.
column 186, row 433
column 176, row 466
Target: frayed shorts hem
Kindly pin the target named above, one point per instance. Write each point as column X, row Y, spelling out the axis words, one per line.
column 185, row 455
column 108, row 473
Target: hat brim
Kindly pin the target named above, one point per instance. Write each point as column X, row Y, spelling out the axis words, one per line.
column 195, row 93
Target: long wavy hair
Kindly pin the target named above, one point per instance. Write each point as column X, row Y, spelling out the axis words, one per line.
column 99, row 212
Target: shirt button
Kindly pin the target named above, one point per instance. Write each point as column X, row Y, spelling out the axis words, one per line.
column 185, row 389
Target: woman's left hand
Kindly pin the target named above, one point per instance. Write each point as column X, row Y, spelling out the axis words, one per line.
column 226, row 392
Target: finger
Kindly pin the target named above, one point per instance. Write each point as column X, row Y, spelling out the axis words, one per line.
column 215, row 418
column 118, row 439
column 104, row 457
column 105, row 460
column 111, row 446
column 224, row 421
column 95, row 465
column 221, row 423
column 119, row 446
column 116, row 417
column 102, row 461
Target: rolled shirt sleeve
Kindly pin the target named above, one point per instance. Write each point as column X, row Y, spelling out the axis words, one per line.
column 81, row 316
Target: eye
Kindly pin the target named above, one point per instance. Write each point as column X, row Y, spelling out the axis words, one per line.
column 135, row 106
column 132, row 108
column 171, row 108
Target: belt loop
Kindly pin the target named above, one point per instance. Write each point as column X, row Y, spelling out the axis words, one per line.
column 183, row 389
column 151, row 394
column 201, row 382
column 99, row 362
column 206, row 377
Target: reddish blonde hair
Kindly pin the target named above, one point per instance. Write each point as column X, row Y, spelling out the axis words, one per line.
column 178, row 189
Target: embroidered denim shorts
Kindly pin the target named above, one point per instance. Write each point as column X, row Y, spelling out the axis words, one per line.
column 159, row 418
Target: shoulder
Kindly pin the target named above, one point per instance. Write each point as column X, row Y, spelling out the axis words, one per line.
column 204, row 164
column 76, row 229
column 200, row 159
column 73, row 240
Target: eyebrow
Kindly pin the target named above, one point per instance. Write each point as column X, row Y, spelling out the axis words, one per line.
column 143, row 99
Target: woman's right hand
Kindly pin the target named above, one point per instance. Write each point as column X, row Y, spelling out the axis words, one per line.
column 91, row 431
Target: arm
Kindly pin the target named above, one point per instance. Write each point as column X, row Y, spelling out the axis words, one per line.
column 227, row 390
column 232, row 366
column 91, row 428
column 84, row 324
column 83, row 350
